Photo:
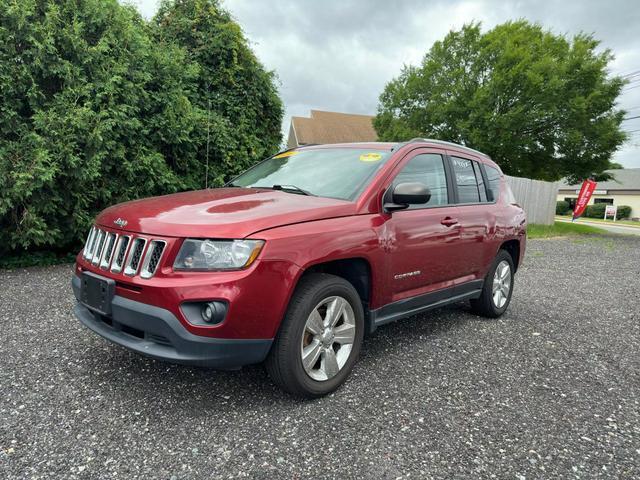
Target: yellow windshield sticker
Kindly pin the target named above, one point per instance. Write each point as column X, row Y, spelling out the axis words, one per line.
column 290, row 153
column 370, row 157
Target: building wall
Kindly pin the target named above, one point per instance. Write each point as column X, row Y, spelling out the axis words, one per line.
column 291, row 140
column 632, row 200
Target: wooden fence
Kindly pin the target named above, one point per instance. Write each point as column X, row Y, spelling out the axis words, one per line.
column 538, row 198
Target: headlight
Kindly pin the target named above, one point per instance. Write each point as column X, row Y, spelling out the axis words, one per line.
column 217, row 254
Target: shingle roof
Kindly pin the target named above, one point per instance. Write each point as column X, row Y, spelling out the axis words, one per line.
column 334, row 127
column 625, row 179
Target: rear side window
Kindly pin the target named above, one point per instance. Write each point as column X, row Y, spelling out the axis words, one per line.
column 481, row 189
column 428, row 169
column 468, row 191
column 493, row 177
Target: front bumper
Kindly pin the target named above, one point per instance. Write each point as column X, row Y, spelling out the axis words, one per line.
column 157, row 333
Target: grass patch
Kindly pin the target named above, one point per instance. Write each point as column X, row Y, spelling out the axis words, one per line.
column 562, row 229
column 601, row 220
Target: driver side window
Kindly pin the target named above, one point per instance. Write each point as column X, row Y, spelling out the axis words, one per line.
column 428, row 169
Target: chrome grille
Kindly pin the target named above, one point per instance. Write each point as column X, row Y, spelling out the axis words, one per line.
column 152, row 258
column 121, row 250
column 135, row 254
column 126, row 254
column 98, row 246
column 87, row 253
column 108, row 250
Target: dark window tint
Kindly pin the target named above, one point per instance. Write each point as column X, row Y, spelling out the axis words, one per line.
column 608, row 201
column 481, row 189
column 493, row 177
column 429, row 170
column 466, row 180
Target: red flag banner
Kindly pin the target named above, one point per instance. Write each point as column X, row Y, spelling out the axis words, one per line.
column 588, row 186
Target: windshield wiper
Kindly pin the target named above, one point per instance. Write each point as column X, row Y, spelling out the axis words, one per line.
column 288, row 188
column 293, row 188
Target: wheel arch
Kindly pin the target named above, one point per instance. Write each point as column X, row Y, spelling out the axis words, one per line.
column 355, row 270
column 512, row 247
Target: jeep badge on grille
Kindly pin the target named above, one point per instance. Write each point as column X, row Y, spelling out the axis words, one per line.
column 121, row 222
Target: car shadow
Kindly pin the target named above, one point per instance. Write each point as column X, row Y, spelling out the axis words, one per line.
column 130, row 378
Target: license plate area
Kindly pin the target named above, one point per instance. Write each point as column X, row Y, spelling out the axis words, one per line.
column 97, row 292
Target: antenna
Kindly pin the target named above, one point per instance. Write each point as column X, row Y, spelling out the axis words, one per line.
column 206, row 168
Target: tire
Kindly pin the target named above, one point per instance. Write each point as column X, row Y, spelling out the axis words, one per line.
column 295, row 337
column 488, row 305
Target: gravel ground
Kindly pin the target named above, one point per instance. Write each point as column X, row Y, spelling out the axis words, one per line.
column 551, row 390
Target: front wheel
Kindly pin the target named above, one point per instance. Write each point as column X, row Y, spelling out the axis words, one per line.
column 497, row 289
column 320, row 337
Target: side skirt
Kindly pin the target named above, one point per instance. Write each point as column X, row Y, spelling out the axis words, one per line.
column 414, row 305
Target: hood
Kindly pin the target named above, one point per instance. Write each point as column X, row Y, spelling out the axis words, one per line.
column 220, row 212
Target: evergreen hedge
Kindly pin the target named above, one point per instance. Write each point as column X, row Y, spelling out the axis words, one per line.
column 562, row 207
column 597, row 211
column 99, row 106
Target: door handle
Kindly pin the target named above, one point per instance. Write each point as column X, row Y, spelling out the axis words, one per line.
column 448, row 221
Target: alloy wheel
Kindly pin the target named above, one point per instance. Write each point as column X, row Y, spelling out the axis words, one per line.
column 501, row 284
column 328, row 337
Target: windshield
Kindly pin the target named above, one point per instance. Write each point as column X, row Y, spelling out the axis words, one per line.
column 327, row 172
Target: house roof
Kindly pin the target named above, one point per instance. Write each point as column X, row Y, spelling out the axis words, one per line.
column 624, row 179
column 333, row 127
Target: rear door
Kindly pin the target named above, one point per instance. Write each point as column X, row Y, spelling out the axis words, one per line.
column 424, row 238
column 475, row 215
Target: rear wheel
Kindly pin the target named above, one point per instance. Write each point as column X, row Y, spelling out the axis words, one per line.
column 497, row 289
column 320, row 337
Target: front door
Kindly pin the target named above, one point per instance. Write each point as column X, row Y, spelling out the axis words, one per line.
column 424, row 238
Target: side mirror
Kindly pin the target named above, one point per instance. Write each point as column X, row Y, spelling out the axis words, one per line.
column 405, row 194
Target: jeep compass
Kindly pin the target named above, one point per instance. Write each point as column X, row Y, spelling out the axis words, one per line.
column 296, row 259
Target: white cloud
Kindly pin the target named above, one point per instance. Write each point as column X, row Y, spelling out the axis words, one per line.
column 338, row 55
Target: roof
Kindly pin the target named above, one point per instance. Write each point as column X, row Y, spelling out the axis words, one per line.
column 372, row 145
column 624, row 179
column 444, row 143
column 333, row 127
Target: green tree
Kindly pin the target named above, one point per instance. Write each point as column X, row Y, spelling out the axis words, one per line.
column 237, row 97
column 98, row 107
column 540, row 105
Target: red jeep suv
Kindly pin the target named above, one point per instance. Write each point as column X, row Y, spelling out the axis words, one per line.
column 296, row 259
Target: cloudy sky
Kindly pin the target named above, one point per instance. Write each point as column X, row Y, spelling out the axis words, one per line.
column 339, row 54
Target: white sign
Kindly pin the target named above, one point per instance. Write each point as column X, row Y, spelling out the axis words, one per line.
column 610, row 210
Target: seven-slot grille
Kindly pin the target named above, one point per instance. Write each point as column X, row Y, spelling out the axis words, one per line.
column 135, row 254
column 152, row 258
column 123, row 253
column 121, row 250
